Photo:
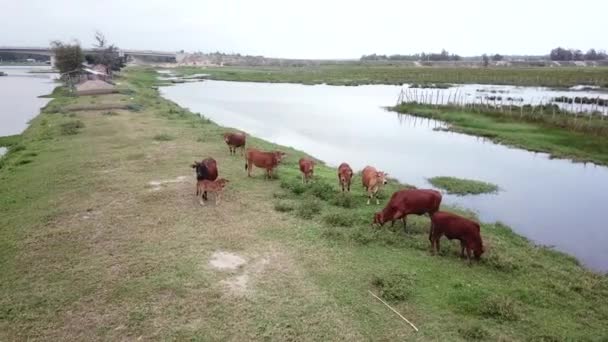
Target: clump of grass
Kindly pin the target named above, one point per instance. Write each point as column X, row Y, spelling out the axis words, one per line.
column 395, row 286
column 294, row 186
column 163, row 137
column 500, row 308
column 283, row 206
column 322, row 190
column 333, row 234
column 71, row 127
column 135, row 107
column 500, row 262
column 338, row 219
column 109, row 113
column 460, row 186
column 308, row 208
column 474, row 333
column 344, row 200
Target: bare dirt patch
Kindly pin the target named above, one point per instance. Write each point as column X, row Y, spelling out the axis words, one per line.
column 157, row 184
column 226, row 261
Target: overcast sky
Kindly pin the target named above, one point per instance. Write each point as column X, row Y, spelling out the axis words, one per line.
column 312, row 28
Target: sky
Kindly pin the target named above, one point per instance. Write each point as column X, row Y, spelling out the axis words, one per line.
column 313, row 29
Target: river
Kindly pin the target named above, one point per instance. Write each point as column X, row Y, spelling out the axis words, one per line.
column 19, row 91
column 552, row 202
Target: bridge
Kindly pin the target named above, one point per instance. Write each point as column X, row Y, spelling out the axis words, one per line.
column 126, row 53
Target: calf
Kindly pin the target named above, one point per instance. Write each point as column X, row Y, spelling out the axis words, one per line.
column 407, row 202
column 373, row 180
column 234, row 141
column 307, row 167
column 345, row 174
column 456, row 227
column 205, row 169
column 216, row 187
column 264, row 160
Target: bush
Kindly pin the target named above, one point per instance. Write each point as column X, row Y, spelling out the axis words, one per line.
column 396, row 286
column 499, row 307
column 500, row 263
column 71, row 127
column 294, row 186
column 337, row 219
column 322, row 190
column 474, row 332
column 163, row 137
column 308, row 208
column 344, row 200
column 283, row 206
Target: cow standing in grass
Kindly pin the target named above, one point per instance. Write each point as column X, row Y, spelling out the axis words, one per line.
column 235, row 140
column 307, row 167
column 345, row 175
column 459, row 228
column 373, row 180
column 408, row 202
column 205, row 169
column 265, row 160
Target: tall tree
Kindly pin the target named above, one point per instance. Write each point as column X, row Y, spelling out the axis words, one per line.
column 486, row 60
column 68, row 57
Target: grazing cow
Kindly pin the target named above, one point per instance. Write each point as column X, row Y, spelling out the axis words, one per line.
column 216, row 187
column 345, row 174
column 456, row 227
column 264, row 160
column 307, row 167
column 205, row 169
column 234, row 141
column 407, row 202
column 373, row 180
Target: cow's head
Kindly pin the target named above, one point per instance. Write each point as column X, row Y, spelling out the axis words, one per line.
column 478, row 250
column 378, row 219
column 223, row 182
column 279, row 155
column 382, row 177
column 227, row 137
column 346, row 176
column 201, row 170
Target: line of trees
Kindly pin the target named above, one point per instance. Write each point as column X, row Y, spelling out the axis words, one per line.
column 561, row 54
column 442, row 56
column 69, row 56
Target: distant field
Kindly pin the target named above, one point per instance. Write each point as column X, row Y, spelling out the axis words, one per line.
column 359, row 74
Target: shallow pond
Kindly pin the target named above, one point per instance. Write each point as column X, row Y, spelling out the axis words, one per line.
column 552, row 202
column 19, row 101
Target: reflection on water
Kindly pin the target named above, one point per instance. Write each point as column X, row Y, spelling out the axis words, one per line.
column 552, row 202
column 19, row 101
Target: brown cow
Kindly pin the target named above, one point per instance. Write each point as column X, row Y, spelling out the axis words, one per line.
column 345, row 174
column 205, row 169
column 408, row 202
column 216, row 187
column 456, row 227
column 307, row 167
column 264, row 160
column 373, row 180
column 235, row 140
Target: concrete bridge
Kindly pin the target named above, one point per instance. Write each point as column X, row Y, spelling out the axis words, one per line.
column 125, row 53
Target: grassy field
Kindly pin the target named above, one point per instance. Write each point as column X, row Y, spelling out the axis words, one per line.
column 459, row 186
column 102, row 238
column 529, row 135
column 358, row 74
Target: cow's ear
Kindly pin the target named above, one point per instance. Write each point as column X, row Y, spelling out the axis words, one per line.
column 193, row 165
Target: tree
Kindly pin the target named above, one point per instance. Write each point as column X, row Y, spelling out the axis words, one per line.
column 68, row 57
column 497, row 58
column 486, row 60
column 106, row 54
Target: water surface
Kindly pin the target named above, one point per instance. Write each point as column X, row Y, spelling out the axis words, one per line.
column 19, row 101
column 552, row 202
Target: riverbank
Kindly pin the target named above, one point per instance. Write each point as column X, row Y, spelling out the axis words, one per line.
column 112, row 244
column 512, row 131
column 361, row 74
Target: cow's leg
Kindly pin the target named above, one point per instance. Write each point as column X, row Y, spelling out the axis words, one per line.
column 205, row 195
column 462, row 246
column 197, row 189
column 348, row 186
column 369, row 197
column 404, row 223
column 249, row 169
column 469, row 255
column 218, row 197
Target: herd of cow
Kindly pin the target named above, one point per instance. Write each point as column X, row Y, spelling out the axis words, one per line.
column 401, row 204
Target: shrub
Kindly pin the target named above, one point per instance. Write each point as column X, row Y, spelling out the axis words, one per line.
column 500, row 262
column 337, row 219
column 499, row 307
column 163, row 137
column 308, row 208
column 322, row 190
column 294, row 186
column 396, row 286
column 71, row 127
column 283, row 206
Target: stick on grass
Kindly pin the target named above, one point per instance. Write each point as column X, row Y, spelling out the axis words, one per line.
column 395, row 311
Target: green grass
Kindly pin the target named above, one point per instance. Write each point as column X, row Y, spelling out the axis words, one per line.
column 533, row 136
column 461, row 186
column 90, row 251
column 358, row 74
